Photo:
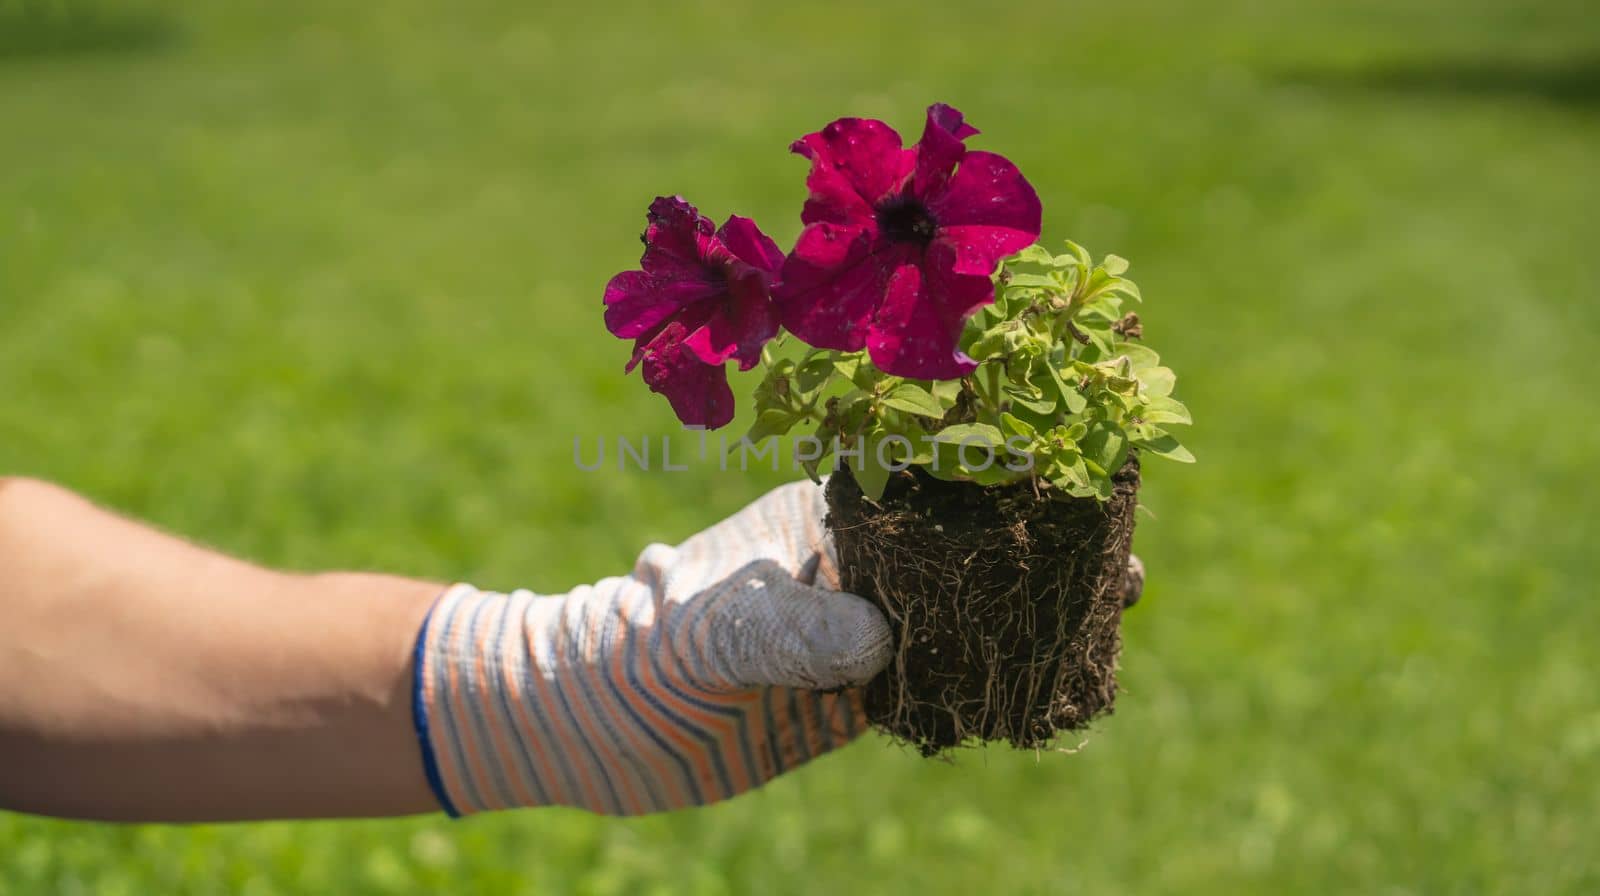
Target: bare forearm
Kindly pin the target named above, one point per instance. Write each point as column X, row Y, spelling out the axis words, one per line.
column 144, row 678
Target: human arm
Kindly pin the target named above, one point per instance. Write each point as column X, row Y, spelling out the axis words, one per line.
column 145, row 678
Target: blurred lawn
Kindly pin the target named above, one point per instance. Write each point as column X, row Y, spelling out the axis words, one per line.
column 319, row 283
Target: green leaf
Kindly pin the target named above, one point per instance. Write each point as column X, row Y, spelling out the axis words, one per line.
column 1011, row 426
column 1102, row 340
column 865, row 376
column 1158, row 381
column 1143, row 357
column 1105, row 445
column 774, row 388
column 872, row 477
column 1034, row 254
column 1166, row 446
column 771, row 422
column 922, row 447
column 976, row 450
column 1035, row 281
column 1076, row 489
column 1081, row 254
column 1032, row 399
column 847, row 365
column 913, row 399
column 1071, row 476
column 1166, row 410
column 1104, row 311
column 814, row 373
column 946, row 392
column 1115, row 265
column 851, row 412
column 1000, row 338
column 970, row 433
column 944, row 465
column 1071, row 398
column 953, row 467
column 1040, row 422
column 994, row 474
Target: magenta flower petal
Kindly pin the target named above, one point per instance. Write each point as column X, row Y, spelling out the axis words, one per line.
column 746, row 241
column 987, row 211
column 700, row 298
column 698, row 392
column 855, row 163
column 636, row 302
column 940, row 148
column 900, row 244
column 675, row 214
column 742, row 318
column 675, row 239
column 830, row 286
column 948, row 118
column 739, row 330
column 918, row 327
column 676, row 225
column 632, row 306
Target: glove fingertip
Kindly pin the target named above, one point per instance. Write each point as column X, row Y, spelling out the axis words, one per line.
column 852, row 644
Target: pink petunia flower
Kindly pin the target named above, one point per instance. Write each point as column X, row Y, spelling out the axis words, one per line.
column 899, row 244
column 701, row 298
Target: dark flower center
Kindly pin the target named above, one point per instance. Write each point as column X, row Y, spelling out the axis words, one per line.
column 904, row 219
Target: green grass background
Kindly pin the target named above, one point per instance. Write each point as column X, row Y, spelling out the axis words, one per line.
column 319, row 283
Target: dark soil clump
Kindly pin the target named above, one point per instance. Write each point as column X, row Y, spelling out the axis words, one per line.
column 1006, row 604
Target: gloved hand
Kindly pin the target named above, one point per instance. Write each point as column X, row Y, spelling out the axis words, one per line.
column 712, row 668
column 1133, row 581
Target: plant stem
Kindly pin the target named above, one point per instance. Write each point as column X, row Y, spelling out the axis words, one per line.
column 993, row 374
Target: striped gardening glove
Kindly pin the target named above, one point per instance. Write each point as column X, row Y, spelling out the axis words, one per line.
column 711, row 668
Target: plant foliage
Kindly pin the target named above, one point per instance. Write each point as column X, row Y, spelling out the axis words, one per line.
column 1065, row 389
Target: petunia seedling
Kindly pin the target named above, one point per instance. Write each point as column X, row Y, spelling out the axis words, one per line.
column 939, row 333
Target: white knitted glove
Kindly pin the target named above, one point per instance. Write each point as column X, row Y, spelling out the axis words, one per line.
column 712, row 668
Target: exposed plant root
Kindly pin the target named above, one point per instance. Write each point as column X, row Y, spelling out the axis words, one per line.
column 1005, row 604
